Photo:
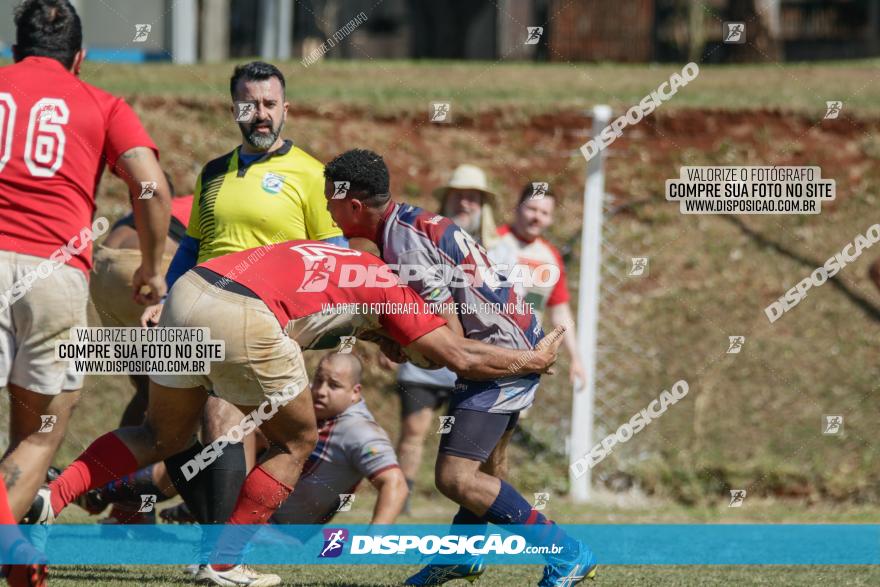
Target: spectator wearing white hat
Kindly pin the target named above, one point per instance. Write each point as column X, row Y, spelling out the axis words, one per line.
column 467, row 200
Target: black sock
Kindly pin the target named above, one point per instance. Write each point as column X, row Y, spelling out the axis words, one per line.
column 192, row 491
column 128, row 490
column 224, row 479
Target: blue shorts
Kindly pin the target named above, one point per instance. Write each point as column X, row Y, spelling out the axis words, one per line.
column 506, row 395
column 474, row 434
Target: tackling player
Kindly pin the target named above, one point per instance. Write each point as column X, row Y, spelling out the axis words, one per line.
column 58, row 133
column 265, row 316
column 266, row 190
column 447, row 268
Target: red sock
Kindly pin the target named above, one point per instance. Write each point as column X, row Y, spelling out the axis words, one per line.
column 6, row 516
column 260, row 496
column 106, row 459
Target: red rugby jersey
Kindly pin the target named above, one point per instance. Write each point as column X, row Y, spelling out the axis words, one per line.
column 56, row 135
column 301, row 281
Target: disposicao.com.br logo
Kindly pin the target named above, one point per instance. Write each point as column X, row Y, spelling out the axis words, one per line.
column 394, row 544
column 334, row 541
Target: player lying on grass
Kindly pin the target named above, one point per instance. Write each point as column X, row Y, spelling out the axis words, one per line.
column 448, row 269
column 351, row 447
column 283, row 303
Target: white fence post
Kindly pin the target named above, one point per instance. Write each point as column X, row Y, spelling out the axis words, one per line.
column 582, row 412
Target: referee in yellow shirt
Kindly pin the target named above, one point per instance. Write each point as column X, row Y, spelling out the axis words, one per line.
column 265, row 191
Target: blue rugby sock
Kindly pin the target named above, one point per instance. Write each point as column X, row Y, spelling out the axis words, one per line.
column 465, row 517
column 128, row 490
column 511, row 508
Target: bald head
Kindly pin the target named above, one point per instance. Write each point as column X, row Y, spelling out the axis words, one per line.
column 336, row 384
column 344, row 362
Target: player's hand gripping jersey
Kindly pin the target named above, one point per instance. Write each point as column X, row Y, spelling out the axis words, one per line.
column 444, row 265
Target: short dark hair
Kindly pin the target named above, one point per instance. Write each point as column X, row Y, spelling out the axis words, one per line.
column 529, row 190
column 255, row 71
column 366, row 173
column 47, row 28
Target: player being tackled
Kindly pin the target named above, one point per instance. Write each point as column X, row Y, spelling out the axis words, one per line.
column 448, row 269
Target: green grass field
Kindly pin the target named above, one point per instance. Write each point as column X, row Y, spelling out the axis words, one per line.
column 645, row 511
column 507, row 576
column 751, row 421
column 391, row 87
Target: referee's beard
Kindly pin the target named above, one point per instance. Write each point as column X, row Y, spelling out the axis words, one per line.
column 258, row 140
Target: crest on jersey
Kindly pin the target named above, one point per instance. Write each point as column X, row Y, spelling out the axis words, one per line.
column 272, row 182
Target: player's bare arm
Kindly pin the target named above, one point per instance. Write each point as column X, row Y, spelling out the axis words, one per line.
column 560, row 315
column 392, row 489
column 448, row 313
column 140, row 170
column 475, row 360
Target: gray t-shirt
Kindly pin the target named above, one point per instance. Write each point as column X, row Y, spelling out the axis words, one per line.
column 409, row 373
column 350, row 446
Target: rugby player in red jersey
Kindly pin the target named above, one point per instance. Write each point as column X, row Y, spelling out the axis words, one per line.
column 57, row 134
column 292, row 297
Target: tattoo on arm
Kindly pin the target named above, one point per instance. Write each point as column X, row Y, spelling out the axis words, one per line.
column 133, row 153
column 11, row 472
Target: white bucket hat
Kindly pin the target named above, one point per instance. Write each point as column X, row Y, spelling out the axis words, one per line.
column 471, row 177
